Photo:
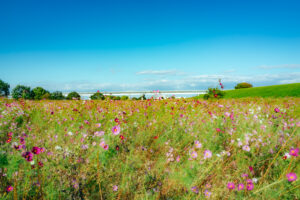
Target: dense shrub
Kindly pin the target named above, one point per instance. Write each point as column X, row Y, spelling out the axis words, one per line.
column 4, row 88
column 97, row 96
column 73, row 95
column 214, row 93
column 243, row 85
column 143, row 97
column 46, row 96
column 39, row 92
column 21, row 91
column 57, row 95
column 124, row 97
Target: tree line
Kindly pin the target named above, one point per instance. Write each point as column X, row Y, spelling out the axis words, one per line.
column 38, row 93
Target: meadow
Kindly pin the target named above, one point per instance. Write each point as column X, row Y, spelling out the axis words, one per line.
column 273, row 91
column 150, row 149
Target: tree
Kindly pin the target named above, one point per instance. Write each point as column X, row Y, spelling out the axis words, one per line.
column 57, row 95
column 243, row 85
column 4, row 88
column 97, row 96
column 39, row 92
column 73, row 95
column 21, row 91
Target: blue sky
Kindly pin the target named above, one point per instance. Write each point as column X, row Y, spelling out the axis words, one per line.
column 148, row 44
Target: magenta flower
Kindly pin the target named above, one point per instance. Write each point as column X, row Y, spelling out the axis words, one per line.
column 230, row 185
column 9, row 188
column 240, row 186
column 249, row 181
column 207, row 154
column 116, row 130
column 291, row 177
column 294, row 152
column 36, row 150
column 250, row 186
column 105, row 147
column 276, row 110
column 28, row 156
column 22, row 140
column 195, row 189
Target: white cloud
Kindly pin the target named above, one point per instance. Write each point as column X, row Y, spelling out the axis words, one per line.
column 159, row 72
column 286, row 66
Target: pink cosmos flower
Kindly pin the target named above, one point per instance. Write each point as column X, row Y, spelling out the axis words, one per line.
column 36, row 150
column 194, row 154
column 240, row 186
column 28, row 156
column 294, row 152
column 116, row 130
column 230, row 185
column 246, row 148
column 291, row 177
column 115, row 188
column 207, row 193
column 9, row 188
column 195, row 189
column 207, row 154
column 276, row 110
column 178, row 159
column 98, row 125
column 105, row 147
column 99, row 133
column 198, row 144
column 250, row 186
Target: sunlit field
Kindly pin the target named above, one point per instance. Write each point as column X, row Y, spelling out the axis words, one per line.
column 151, row 149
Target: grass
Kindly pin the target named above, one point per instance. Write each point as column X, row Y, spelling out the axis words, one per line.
column 286, row 90
column 158, row 153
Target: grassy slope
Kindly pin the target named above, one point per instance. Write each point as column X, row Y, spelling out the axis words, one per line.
column 286, row 90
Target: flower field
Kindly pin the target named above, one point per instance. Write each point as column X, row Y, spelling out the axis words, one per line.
column 150, row 149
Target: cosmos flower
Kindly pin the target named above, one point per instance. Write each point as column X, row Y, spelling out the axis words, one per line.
column 115, row 188
column 240, row 186
column 22, row 140
column 207, row 154
column 116, row 130
column 99, row 133
column 105, row 147
column 291, row 177
column 250, row 186
column 207, row 193
column 195, row 189
column 28, row 156
column 121, row 137
column 194, row 154
column 230, row 185
column 198, row 144
column 276, row 110
column 294, row 152
column 9, row 188
column 98, row 125
column 246, row 148
column 36, row 150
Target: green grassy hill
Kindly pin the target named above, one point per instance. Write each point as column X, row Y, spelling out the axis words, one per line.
column 286, row 90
